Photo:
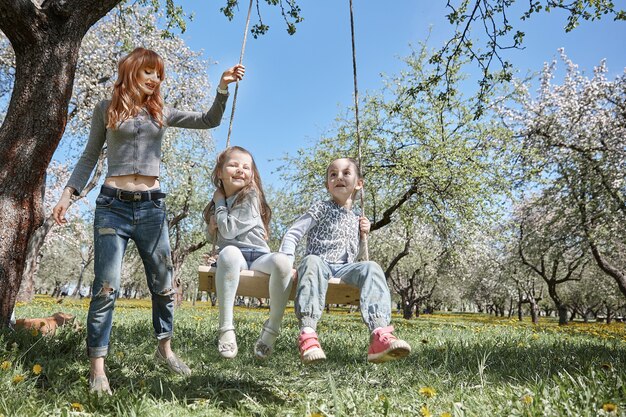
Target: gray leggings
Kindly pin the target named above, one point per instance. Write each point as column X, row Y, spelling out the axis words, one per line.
column 230, row 262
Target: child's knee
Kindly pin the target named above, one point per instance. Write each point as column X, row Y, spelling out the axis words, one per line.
column 229, row 254
column 282, row 264
column 229, row 259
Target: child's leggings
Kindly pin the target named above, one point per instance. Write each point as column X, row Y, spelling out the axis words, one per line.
column 231, row 261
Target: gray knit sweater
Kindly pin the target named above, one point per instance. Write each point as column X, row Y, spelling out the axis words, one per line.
column 135, row 146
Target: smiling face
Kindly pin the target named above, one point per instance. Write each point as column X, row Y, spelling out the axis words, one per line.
column 342, row 180
column 236, row 173
column 148, row 80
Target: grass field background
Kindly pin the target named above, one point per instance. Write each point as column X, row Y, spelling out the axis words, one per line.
column 461, row 365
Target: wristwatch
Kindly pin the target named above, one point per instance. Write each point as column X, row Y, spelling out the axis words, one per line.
column 222, row 91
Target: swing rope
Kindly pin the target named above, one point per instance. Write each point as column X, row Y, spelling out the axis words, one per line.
column 232, row 116
column 243, row 48
column 356, row 118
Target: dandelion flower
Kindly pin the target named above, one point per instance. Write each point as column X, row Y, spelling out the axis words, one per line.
column 527, row 399
column 5, row 365
column 425, row 412
column 37, row 369
column 77, row 407
column 18, row 378
column 34, row 331
column 446, row 414
column 427, row 392
column 119, row 354
column 609, row 408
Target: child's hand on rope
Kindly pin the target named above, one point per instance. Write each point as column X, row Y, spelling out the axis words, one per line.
column 231, row 75
column 364, row 226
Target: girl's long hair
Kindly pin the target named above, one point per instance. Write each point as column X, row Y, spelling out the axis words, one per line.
column 126, row 101
column 254, row 185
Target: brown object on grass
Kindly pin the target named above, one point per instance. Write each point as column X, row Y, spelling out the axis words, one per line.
column 46, row 325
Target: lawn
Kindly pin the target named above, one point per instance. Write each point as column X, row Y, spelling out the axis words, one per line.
column 461, row 365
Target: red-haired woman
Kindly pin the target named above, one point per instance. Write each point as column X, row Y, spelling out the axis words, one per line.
column 130, row 204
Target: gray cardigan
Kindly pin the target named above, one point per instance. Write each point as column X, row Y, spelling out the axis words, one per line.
column 240, row 224
column 135, row 146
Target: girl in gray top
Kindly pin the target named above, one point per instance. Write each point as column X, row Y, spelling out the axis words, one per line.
column 131, row 204
column 241, row 222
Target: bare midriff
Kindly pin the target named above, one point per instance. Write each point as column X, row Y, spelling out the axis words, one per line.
column 133, row 182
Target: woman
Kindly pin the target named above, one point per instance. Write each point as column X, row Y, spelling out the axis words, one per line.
column 130, row 204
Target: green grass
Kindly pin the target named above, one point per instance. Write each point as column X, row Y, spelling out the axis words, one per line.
column 477, row 366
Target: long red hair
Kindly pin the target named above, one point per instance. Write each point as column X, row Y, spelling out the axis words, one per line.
column 126, row 101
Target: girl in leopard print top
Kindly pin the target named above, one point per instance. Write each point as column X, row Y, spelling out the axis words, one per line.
column 333, row 232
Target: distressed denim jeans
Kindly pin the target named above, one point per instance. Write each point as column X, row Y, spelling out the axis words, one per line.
column 368, row 276
column 116, row 222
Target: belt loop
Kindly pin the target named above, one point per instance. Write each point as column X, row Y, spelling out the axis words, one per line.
column 149, row 196
column 118, row 193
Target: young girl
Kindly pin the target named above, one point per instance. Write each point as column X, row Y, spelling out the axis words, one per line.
column 131, row 204
column 332, row 248
column 241, row 221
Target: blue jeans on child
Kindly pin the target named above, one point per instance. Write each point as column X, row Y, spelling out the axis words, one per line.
column 368, row 276
column 116, row 222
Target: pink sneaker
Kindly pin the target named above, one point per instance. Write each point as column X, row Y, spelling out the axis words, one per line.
column 385, row 346
column 310, row 348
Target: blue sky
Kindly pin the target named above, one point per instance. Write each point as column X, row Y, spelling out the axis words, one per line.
column 295, row 86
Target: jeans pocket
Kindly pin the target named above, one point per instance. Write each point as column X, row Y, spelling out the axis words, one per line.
column 159, row 203
column 104, row 201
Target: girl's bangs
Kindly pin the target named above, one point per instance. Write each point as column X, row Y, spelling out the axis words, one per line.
column 151, row 59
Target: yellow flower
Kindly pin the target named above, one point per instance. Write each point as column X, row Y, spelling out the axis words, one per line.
column 77, row 406
column 37, row 369
column 609, row 408
column 527, row 399
column 425, row 412
column 34, row 331
column 119, row 354
column 446, row 414
column 5, row 365
column 18, row 378
column 427, row 392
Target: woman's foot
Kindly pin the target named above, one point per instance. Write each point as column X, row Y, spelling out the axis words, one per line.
column 265, row 345
column 310, row 348
column 227, row 344
column 173, row 362
column 99, row 385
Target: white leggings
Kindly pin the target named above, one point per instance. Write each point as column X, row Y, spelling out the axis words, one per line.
column 229, row 264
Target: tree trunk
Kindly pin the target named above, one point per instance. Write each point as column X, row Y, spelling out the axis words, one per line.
column 79, row 284
column 563, row 314
column 534, row 311
column 46, row 38
column 33, row 258
column 407, row 311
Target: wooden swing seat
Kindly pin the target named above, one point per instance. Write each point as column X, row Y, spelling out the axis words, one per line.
column 256, row 284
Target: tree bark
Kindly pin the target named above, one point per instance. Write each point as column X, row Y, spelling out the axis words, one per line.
column 46, row 39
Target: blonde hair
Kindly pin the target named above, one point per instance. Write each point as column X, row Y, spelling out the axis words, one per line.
column 254, row 185
column 126, row 101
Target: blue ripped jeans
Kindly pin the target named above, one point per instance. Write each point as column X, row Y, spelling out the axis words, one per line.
column 115, row 223
column 368, row 276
